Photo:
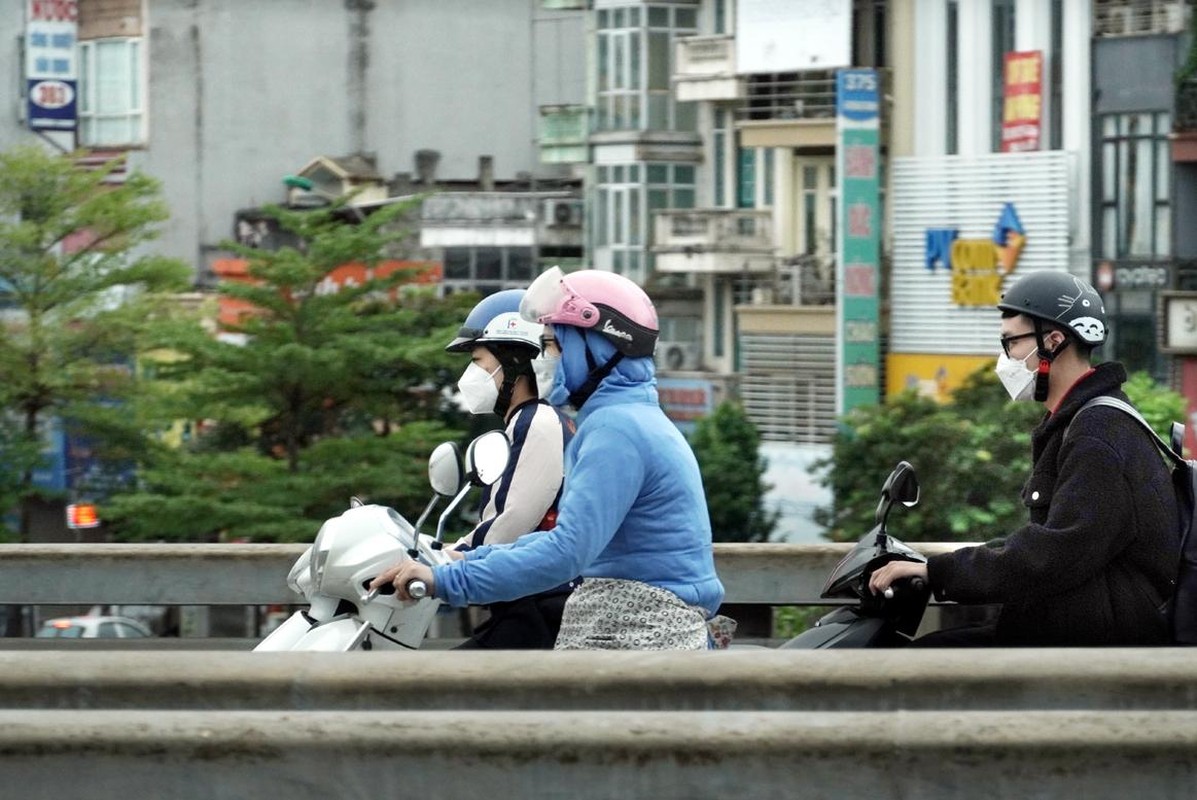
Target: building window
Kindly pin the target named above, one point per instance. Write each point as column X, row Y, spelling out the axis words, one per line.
column 719, row 318
column 767, row 200
column 1003, row 42
column 626, row 197
column 111, row 92
column 487, row 270
column 719, row 139
column 1136, row 213
column 1055, row 135
column 810, row 209
column 635, row 64
column 746, row 178
column 952, row 139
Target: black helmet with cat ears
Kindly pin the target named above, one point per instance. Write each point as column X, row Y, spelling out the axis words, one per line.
column 1060, row 298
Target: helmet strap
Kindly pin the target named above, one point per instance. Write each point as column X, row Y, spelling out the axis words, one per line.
column 577, row 398
column 503, row 401
column 1046, row 357
column 513, row 369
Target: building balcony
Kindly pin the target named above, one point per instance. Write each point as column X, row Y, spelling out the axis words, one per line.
column 1140, row 17
column 706, row 69
column 562, row 134
column 501, row 219
column 564, row 5
column 792, row 109
column 713, row 241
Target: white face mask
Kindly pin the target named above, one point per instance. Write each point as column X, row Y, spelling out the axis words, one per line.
column 478, row 390
column 1016, row 376
column 545, row 368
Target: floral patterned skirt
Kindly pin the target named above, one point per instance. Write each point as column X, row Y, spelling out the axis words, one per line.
column 617, row 614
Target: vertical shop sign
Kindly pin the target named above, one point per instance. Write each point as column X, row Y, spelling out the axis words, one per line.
column 1022, row 103
column 51, row 67
column 859, row 234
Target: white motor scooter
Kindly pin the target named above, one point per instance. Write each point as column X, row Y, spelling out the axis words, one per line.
column 350, row 550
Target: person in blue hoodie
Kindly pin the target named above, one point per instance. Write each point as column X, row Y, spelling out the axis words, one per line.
column 632, row 519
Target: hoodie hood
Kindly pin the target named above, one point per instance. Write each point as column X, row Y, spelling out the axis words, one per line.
column 573, row 368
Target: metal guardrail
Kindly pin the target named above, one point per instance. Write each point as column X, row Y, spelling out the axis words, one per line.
column 256, row 574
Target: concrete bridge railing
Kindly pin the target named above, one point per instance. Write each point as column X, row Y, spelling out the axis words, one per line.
column 248, row 574
column 898, row 724
column 754, row 723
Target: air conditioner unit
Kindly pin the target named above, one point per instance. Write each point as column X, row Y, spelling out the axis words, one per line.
column 679, row 356
column 1172, row 16
column 1119, row 21
column 565, row 212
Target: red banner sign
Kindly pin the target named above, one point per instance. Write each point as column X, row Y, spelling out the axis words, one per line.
column 1022, row 109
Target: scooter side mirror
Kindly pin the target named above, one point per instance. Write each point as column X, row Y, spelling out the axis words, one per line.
column 902, row 486
column 445, row 473
column 486, row 458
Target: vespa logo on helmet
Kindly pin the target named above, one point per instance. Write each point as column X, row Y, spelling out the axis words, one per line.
column 611, row 330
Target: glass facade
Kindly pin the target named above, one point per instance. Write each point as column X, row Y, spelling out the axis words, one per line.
column 1135, row 216
column 625, row 196
column 1133, row 223
column 635, row 65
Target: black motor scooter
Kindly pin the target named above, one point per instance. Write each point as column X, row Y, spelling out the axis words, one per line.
column 886, row 620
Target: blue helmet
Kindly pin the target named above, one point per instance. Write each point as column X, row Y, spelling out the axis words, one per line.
column 496, row 321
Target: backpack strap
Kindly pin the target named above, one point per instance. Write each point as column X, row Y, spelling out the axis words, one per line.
column 1172, row 452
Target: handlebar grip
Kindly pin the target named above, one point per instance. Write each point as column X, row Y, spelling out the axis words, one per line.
column 417, row 589
column 916, row 585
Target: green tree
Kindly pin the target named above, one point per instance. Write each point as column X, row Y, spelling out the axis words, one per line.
column 972, row 457
column 81, row 289
column 325, row 394
column 727, row 447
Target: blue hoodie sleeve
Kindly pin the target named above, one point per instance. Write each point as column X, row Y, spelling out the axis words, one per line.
column 603, row 483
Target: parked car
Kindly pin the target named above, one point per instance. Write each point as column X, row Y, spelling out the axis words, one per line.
column 92, row 628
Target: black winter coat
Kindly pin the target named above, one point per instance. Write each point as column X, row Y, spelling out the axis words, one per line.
column 1096, row 562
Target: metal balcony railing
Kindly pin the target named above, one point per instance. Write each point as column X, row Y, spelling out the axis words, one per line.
column 564, row 125
column 809, row 94
column 721, row 230
column 1140, row 17
column 705, row 56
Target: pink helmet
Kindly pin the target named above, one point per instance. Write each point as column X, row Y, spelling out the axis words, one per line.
column 611, row 304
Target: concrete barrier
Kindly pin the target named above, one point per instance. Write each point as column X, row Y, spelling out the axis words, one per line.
column 102, row 755
column 759, row 680
column 253, row 574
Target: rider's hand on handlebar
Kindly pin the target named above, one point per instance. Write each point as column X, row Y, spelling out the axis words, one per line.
column 404, row 573
column 895, row 570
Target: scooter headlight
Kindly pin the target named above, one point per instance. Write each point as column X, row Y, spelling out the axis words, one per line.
column 319, row 558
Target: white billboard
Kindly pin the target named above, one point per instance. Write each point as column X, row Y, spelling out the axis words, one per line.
column 792, row 35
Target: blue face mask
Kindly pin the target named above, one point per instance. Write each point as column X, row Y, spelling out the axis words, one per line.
column 558, row 396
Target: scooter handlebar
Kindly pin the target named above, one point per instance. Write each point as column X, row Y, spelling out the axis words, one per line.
column 416, row 589
column 916, row 584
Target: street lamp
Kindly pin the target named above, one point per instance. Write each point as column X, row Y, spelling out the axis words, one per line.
column 300, row 182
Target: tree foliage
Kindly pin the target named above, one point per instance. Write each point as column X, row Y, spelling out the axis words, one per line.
column 325, row 393
column 972, row 457
column 81, row 290
column 727, row 447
